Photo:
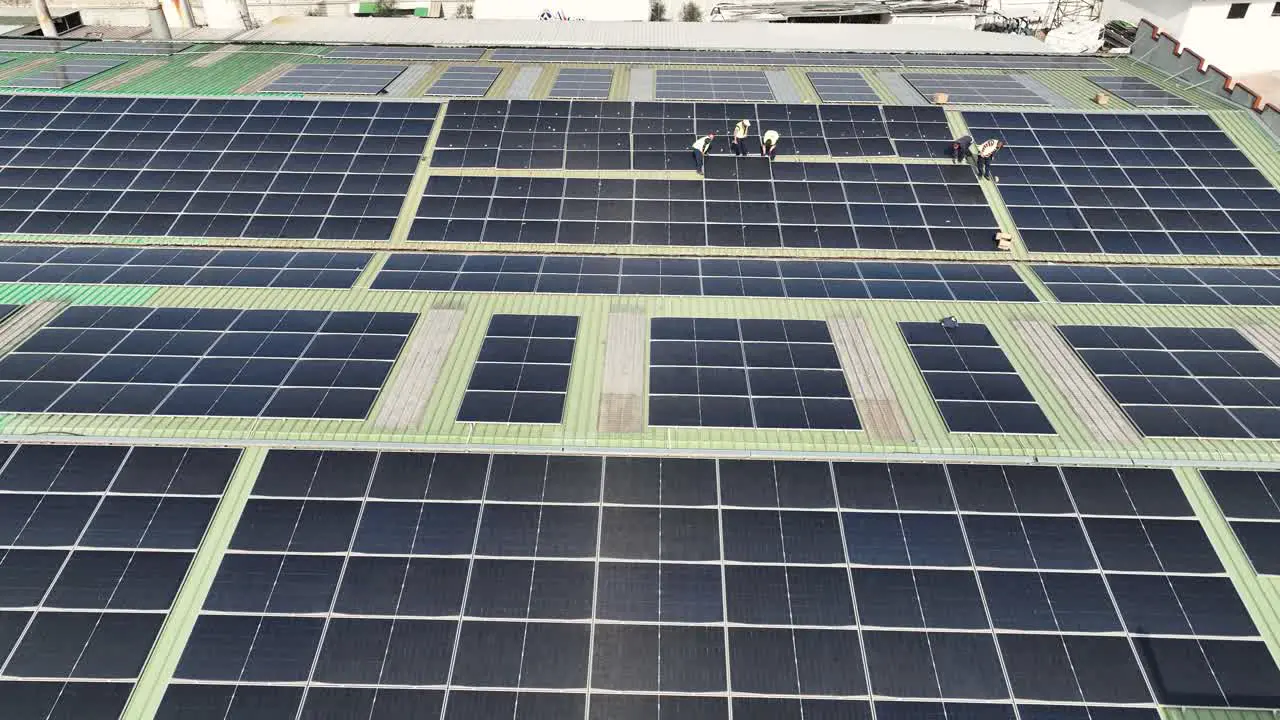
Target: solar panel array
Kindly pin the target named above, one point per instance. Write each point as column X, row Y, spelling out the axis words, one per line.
column 129, row 47
column 975, row 89
column 1161, row 284
column 975, row 386
column 749, row 85
column 401, row 52
column 589, row 135
column 464, row 81
column 63, row 74
column 36, row 45
column 814, row 59
column 466, row 585
column 836, row 87
column 716, row 372
column 354, row 79
column 710, row 277
column 1127, row 183
column 1184, row 382
column 204, row 362
column 193, row 267
column 522, row 372
column 94, row 544
column 1139, row 92
column 593, row 83
column 1251, row 502
column 909, row 207
column 208, row 168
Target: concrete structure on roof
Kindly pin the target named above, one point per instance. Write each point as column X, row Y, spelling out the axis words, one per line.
column 1238, row 37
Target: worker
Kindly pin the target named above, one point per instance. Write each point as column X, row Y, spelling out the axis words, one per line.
column 700, row 148
column 984, row 153
column 769, row 144
column 740, row 136
column 960, row 149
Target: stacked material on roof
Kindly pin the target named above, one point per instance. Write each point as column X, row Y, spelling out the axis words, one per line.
column 776, row 10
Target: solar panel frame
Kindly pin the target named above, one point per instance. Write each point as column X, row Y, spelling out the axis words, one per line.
column 402, row 52
column 744, row 85
column 975, row 89
column 401, row 576
column 189, row 267
column 1184, row 382
column 208, row 167
column 973, row 384
column 706, row 277
column 1162, row 284
column 129, row 47
column 1250, row 501
column 199, row 362
column 335, row 78
column 706, row 372
column 64, row 73
column 835, row 87
column 1130, row 183
column 1138, row 92
column 522, row 372
column 587, row 83
column 464, row 81
column 36, row 45
column 106, row 536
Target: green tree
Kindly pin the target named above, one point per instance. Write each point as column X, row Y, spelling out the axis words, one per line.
column 691, row 12
column 384, row 8
column 657, row 11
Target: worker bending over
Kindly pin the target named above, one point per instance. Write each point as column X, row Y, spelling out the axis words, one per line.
column 960, row 149
column 769, row 144
column 984, row 153
column 739, row 137
column 700, row 148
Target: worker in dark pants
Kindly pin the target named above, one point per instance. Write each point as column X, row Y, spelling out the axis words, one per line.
column 985, row 152
column 739, row 140
column 960, row 149
column 700, row 148
column 769, row 144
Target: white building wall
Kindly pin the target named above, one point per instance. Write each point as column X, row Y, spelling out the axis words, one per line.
column 584, row 9
column 1246, row 45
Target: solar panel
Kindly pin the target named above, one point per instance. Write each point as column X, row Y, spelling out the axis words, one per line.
column 196, row 362
column 94, row 544
column 845, row 206
column 357, row 79
column 207, row 168
column 1130, row 183
column 129, row 47
column 1162, row 284
column 708, row 372
column 400, row 52
column 592, row 83
column 712, row 85
column 522, row 372
column 1138, row 92
column 972, row 381
column 843, row 87
column 813, row 59
column 34, row 45
column 464, row 81
column 458, row 585
column 975, row 89
column 192, row 267
column 1184, row 382
column 1251, row 502
column 710, row 277
column 63, row 74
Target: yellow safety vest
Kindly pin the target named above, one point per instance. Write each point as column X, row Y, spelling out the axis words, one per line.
column 740, row 131
column 701, row 144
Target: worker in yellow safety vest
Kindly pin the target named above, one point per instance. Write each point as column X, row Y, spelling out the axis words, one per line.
column 769, row 144
column 739, row 137
column 700, row 148
column 984, row 153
